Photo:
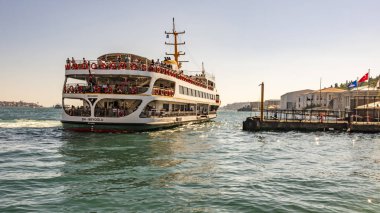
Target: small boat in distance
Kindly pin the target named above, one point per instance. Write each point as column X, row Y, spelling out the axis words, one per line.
column 57, row 106
column 123, row 92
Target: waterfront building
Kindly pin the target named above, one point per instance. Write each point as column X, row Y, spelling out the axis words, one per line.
column 289, row 100
column 322, row 99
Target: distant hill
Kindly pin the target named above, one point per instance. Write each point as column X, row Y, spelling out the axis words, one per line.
column 235, row 106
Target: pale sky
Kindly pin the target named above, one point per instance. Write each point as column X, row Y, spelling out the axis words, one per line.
column 289, row 45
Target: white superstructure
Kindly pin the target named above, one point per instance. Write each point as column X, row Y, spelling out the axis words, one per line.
column 126, row 92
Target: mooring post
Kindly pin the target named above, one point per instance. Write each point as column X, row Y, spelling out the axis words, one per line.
column 262, row 102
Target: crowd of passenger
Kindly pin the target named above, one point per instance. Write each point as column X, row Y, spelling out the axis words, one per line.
column 137, row 64
column 105, row 88
column 78, row 111
column 127, row 63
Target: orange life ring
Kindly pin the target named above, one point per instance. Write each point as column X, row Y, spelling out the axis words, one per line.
column 133, row 66
column 143, row 67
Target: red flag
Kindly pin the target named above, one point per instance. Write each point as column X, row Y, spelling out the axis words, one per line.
column 364, row 78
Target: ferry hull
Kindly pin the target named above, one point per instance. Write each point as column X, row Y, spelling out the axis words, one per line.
column 123, row 127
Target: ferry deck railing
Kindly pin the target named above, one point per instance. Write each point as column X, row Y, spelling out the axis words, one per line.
column 138, row 66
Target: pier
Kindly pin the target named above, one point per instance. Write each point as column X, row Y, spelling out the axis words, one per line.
column 363, row 115
column 307, row 121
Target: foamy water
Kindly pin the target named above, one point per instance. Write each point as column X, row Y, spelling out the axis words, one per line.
column 23, row 123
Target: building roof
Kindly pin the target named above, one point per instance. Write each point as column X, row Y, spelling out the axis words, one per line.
column 299, row 92
column 329, row 90
column 374, row 105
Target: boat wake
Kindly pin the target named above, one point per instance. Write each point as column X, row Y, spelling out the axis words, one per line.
column 24, row 123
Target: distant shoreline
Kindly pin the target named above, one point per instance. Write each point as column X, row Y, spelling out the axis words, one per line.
column 19, row 104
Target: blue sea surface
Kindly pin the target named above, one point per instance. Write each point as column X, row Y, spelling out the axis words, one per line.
column 209, row 167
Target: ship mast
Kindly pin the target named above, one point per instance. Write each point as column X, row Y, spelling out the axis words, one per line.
column 176, row 53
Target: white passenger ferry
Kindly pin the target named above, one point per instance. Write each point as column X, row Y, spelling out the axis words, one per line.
column 122, row 92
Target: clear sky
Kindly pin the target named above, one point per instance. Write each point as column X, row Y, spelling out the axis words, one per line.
column 289, row 45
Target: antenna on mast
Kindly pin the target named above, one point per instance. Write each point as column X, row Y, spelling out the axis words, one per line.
column 176, row 53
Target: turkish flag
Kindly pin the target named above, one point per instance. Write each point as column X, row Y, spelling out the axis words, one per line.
column 364, row 78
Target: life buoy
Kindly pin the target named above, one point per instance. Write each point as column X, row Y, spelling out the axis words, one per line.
column 150, row 69
column 113, row 66
column 121, row 113
column 103, row 66
column 133, row 66
column 122, row 65
column 143, row 67
column 75, row 66
column 71, row 89
column 158, row 69
column 94, row 66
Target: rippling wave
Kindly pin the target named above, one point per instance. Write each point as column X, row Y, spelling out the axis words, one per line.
column 208, row 167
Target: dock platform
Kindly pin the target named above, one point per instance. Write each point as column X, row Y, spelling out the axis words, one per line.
column 311, row 121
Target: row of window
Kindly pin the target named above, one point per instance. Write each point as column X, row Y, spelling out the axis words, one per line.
column 192, row 92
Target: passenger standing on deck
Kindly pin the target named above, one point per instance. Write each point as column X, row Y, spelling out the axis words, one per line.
column 90, row 81
column 127, row 61
column 118, row 60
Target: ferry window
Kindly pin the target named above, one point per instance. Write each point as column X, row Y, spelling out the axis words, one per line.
column 116, row 107
column 77, row 107
column 181, row 89
column 164, row 84
column 165, row 107
column 191, row 92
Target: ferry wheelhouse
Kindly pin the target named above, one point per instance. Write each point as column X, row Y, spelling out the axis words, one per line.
column 122, row 92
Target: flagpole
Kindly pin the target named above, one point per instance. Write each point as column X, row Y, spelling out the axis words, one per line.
column 368, row 95
column 357, row 85
column 320, row 92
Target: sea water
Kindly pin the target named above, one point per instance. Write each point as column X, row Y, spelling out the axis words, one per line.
column 209, row 167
